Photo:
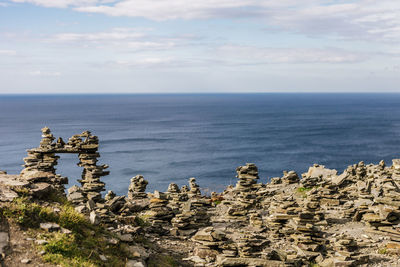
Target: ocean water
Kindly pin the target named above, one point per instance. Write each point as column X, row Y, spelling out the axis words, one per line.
column 170, row 138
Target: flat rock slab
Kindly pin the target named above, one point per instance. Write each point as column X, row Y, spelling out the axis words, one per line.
column 250, row 262
column 7, row 194
column 12, row 181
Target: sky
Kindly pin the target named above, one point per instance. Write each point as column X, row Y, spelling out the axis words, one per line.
column 199, row 46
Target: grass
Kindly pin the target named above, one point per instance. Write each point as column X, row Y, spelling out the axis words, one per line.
column 141, row 221
column 382, row 251
column 162, row 260
column 81, row 247
column 303, row 191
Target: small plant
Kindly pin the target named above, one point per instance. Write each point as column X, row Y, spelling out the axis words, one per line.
column 141, row 222
column 382, row 251
column 71, row 219
column 22, row 191
column 303, row 189
column 217, row 202
column 28, row 214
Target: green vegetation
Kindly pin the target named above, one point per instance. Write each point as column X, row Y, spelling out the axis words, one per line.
column 217, row 202
column 82, row 247
column 141, row 221
column 382, row 251
column 302, row 191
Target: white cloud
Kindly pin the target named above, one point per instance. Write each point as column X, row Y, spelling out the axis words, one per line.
column 116, row 34
column 146, row 62
column 60, row 3
column 360, row 19
column 44, row 73
column 8, row 52
column 121, row 39
column 250, row 55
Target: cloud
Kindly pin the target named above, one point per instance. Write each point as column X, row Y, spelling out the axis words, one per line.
column 360, row 19
column 4, row 4
column 44, row 73
column 145, row 62
column 250, row 55
column 8, row 52
column 122, row 39
column 60, row 3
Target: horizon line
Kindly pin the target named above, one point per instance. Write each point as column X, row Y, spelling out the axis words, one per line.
column 192, row 93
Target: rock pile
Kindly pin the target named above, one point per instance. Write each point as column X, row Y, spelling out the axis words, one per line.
column 40, row 163
column 137, row 188
column 159, row 214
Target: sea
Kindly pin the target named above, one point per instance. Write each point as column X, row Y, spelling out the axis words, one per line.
column 172, row 137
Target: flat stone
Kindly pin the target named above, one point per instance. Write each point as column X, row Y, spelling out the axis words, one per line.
column 25, row 261
column 50, row 227
column 248, row 262
column 133, row 263
column 41, row 242
column 7, row 195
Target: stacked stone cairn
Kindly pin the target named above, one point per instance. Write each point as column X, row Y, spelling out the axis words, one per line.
column 159, row 214
column 137, row 188
column 308, row 237
column 39, row 167
column 344, row 252
column 242, row 198
column 175, row 198
column 210, row 243
column 40, row 164
column 194, row 188
column 193, row 214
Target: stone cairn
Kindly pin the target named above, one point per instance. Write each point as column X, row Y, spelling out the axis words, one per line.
column 160, row 214
column 193, row 213
column 137, row 188
column 238, row 201
column 308, row 237
column 40, row 164
column 175, row 198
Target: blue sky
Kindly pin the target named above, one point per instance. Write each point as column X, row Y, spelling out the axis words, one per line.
column 180, row 46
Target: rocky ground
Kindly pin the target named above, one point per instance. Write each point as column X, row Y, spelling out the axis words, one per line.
column 320, row 218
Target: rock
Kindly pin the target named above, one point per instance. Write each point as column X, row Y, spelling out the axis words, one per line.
column 7, row 195
column 126, row 238
column 138, row 252
column 133, row 263
column 25, row 261
column 224, row 261
column 50, row 227
column 94, row 218
column 41, row 242
column 102, row 257
column 137, row 188
column 320, row 171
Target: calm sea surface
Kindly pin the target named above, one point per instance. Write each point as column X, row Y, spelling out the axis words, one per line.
column 169, row 138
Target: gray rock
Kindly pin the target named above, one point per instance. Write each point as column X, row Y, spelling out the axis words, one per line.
column 94, row 218
column 133, row 263
column 25, row 261
column 50, row 227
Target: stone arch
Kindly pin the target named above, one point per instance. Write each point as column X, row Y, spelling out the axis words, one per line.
column 40, row 163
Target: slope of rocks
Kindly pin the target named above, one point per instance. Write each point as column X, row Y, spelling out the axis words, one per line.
column 319, row 218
